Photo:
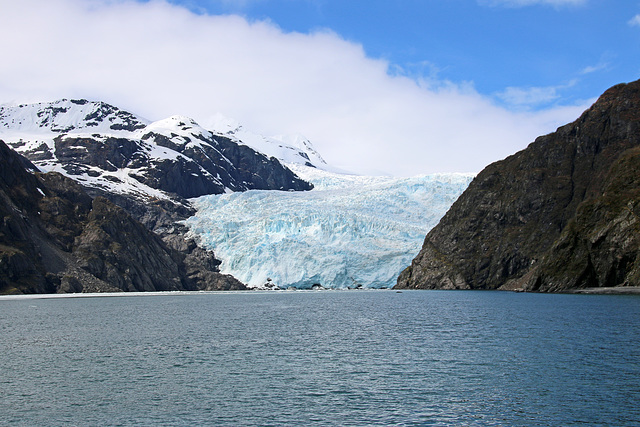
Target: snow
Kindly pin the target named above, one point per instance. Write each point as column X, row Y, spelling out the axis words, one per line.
column 178, row 128
column 290, row 149
column 350, row 231
column 60, row 116
column 32, row 128
column 27, row 127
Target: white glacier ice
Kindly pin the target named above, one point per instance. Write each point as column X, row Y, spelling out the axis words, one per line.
column 350, row 231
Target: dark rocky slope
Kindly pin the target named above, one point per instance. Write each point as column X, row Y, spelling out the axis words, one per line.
column 560, row 215
column 56, row 238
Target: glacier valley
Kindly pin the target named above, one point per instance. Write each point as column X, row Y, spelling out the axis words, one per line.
column 348, row 232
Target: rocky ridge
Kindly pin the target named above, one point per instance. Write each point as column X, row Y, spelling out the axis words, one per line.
column 54, row 237
column 149, row 169
column 105, row 147
column 560, row 215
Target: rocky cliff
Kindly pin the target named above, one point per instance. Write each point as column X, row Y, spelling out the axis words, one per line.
column 56, row 238
column 560, row 215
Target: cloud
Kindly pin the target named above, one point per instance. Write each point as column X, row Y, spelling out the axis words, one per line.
column 635, row 21
column 595, row 68
column 156, row 59
column 533, row 97
column 522, row 3
column 227, row 5
column 604, row 64
column 528, row 96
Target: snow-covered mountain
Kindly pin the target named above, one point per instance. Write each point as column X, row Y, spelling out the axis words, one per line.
column 106, row 148
column 348, row 232
column 290, row 149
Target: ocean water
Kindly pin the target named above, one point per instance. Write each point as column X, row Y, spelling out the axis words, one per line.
column 348, row 358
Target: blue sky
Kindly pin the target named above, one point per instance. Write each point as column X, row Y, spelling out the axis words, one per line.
column 402, row 87
column 558, row 52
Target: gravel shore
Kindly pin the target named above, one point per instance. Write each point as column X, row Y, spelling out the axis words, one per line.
column 621, row 290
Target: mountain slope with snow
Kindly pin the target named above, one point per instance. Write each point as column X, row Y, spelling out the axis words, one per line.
column 350, row 231
column 290, row 149
column 109, row 149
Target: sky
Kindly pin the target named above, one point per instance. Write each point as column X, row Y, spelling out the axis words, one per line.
column 396, row 87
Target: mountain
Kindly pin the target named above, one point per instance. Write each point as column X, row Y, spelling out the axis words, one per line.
column 147, row 168
column 55, row 238
column 289, row 149
column 560, row 215
column 108, row 148
column 348, row 232
column 120, row 171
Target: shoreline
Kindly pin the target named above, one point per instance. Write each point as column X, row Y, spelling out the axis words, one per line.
column 7, row 297
column 618, row 290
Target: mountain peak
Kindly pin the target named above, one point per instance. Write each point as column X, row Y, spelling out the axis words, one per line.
column 289, row 149
column 109, row 149
column 179, row 128
column 66, row 116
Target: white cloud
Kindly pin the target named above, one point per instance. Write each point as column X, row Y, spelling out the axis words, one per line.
column 228, row 5
column 635, row 21
column 604, row 64
column 155, row 59
column 533, row 97
column 528, row 96
column 594, row 68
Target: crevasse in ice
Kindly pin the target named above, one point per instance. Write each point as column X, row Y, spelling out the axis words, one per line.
column 350, row 231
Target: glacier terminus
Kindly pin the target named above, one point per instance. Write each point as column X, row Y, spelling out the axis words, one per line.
column 348, row 232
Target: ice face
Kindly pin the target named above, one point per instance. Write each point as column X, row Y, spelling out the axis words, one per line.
column 350, row 231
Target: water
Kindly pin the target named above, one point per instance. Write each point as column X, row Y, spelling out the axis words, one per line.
column 349, row 358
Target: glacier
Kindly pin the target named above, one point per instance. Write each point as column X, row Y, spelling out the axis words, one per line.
column 348, row 232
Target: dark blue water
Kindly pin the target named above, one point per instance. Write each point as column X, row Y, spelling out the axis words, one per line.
column 322, row 358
